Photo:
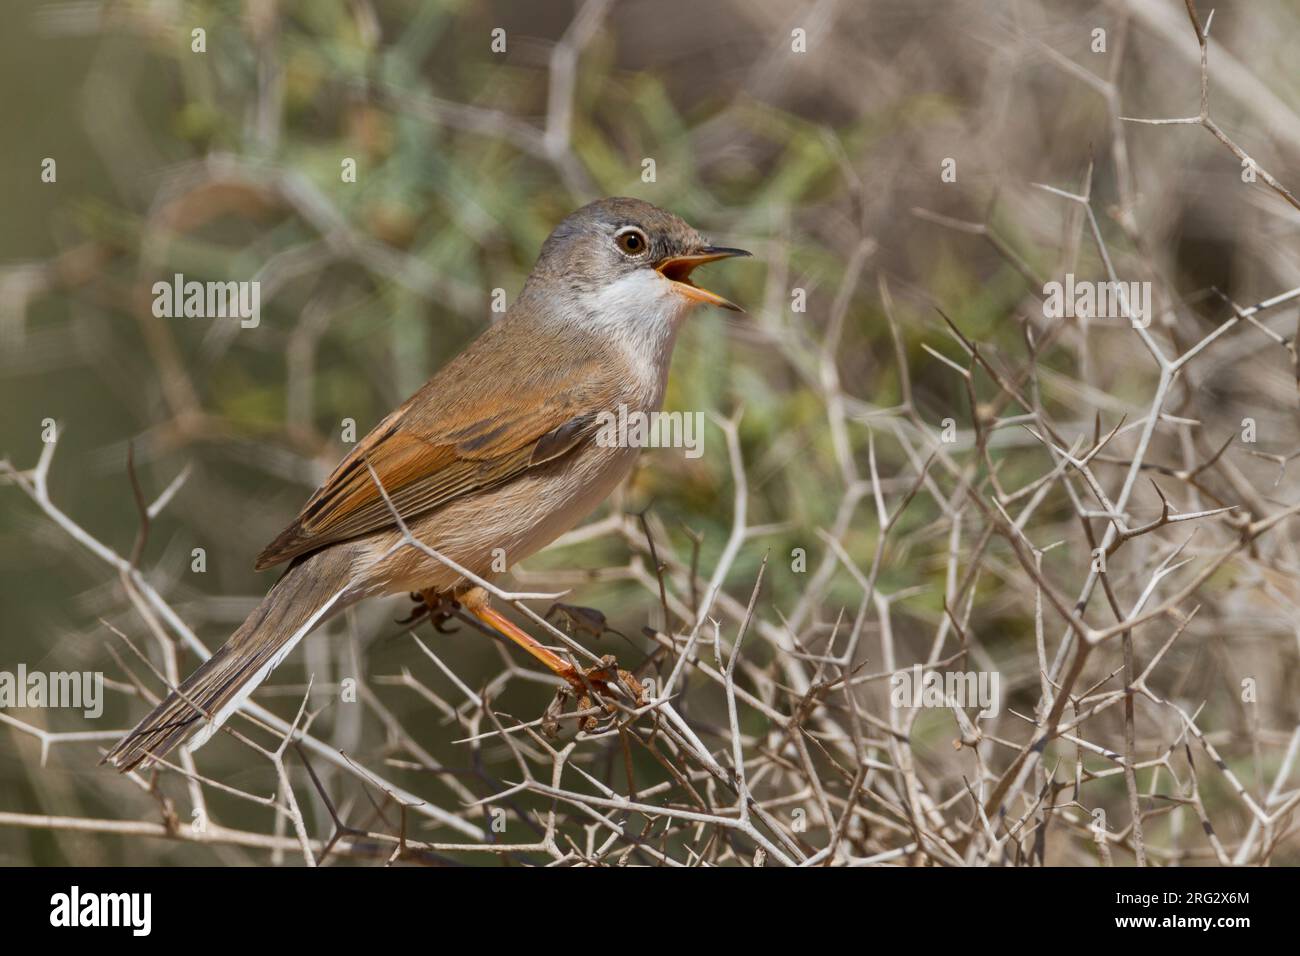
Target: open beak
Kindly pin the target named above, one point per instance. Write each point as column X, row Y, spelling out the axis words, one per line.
column 678, row 269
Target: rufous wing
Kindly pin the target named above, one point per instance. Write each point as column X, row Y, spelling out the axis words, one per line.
column 448, row 441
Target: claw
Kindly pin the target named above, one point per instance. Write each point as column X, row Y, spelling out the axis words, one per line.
column 438, row 609
column 599, row 679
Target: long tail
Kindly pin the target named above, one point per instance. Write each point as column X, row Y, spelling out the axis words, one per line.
column 300, row 600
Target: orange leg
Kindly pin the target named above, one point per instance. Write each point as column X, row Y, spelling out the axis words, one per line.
column 475, row 602
column 502, row 625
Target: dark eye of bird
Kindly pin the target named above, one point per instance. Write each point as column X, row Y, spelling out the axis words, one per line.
column 631, row 242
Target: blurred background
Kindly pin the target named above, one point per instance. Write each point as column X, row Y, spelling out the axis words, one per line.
column 825, row 158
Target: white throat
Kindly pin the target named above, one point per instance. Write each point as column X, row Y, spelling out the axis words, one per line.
column 641, row 312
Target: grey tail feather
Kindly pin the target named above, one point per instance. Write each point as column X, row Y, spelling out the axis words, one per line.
column 298, row 602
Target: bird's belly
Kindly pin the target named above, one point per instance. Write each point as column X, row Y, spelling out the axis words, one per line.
column 491, row 531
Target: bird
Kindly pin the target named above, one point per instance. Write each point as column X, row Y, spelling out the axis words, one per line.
column 496, row 455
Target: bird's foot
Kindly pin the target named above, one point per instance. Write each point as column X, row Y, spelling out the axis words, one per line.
column 594, row 696
column 599, row 681
column 608, row 672
column 438, row 608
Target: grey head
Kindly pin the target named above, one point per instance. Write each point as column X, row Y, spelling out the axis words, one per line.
column 624, row 239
